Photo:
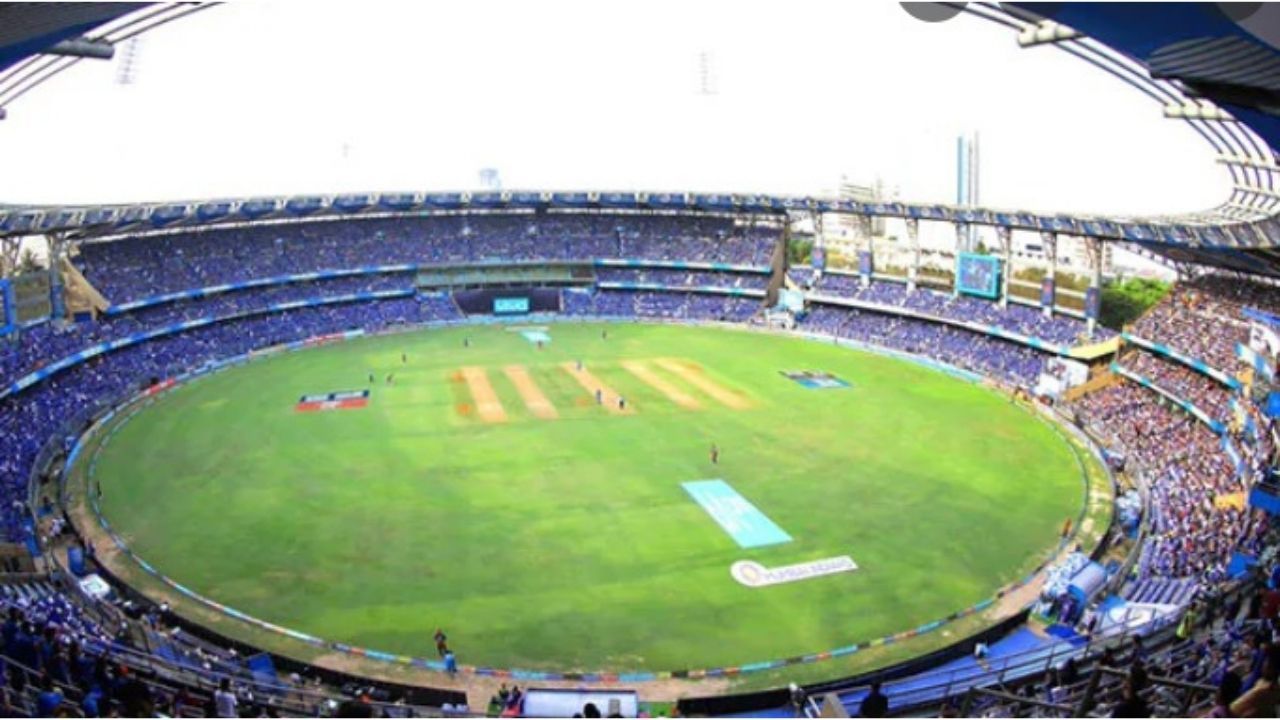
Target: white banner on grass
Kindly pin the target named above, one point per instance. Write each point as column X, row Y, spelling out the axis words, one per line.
column 753, row 574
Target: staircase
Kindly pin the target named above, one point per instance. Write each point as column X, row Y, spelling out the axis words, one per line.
column 79, row 294
column 1162, row 591
column 1102, row 379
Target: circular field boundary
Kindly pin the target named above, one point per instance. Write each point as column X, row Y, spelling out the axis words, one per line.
column 125, row 411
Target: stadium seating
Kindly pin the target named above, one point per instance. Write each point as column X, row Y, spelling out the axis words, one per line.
column 1021, row 319
column 1203, row 318
column 1212, row 397
column 1186, row 470
column 128, row 269
column 98, row 668
column 1007, row 361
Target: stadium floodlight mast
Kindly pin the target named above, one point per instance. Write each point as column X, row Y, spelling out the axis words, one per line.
column 83, row 48
column 1046, row 32
column 1259, row 163
column 1272, row 193
column 1192, row 110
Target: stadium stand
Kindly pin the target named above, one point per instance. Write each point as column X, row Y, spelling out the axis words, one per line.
column 1171, row 413
column 217, row 294
column 1203, row 318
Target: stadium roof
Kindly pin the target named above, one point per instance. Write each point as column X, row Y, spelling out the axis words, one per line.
column 28, row 29
column 1216, row 69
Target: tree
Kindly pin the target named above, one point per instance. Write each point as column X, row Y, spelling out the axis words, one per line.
column 799, row 251
column 29, row 262
column 1125, row 301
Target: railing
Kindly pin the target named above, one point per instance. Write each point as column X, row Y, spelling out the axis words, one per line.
column 1191, row 692
column 280, row 694
column 168, row 681
column 1117, row 581
column 1018, row 702
column 931, row 688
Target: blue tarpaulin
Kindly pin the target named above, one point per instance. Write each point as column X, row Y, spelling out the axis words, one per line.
column 1272, row 408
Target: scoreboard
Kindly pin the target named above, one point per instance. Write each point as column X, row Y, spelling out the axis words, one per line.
column 978, row 275
column 510, row 305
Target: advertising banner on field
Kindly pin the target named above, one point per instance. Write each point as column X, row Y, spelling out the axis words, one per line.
column 348, row 400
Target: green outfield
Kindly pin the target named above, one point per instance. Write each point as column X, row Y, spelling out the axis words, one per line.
column 485, row 491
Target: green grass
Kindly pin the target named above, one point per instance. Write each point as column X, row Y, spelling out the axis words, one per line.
column 569, row 544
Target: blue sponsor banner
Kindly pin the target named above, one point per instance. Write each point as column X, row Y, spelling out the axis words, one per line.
column 866, row 263
column 1092, row 303
column 1047, row 292
column 1190, row 362
column 1260, row 497
column 8, row 308
column 735, row 514
column 1262, row 316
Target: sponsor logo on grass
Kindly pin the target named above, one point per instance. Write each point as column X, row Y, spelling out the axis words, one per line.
column 753, row 574
column 815, row 380
column 345, row 400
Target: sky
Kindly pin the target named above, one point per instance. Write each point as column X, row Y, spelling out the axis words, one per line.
column 267, row 98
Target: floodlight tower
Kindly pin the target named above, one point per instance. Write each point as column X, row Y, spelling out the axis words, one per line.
column 967, row 185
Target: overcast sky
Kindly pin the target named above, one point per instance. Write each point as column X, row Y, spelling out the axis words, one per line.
column 284, row 98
